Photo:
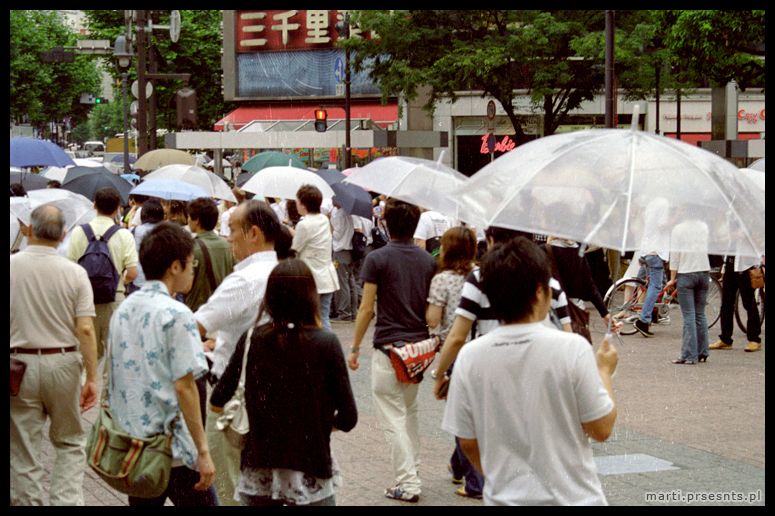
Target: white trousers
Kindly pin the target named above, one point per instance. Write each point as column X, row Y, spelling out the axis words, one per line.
column 395, row 404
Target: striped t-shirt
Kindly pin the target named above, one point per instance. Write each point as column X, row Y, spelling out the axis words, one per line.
column 475, row 306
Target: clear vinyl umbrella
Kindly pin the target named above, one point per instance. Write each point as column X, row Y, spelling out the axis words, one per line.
column 284, row 182
column 76, row 208
column 596, row 186
column 422, row 182
column 213, row 185
column 757, row 165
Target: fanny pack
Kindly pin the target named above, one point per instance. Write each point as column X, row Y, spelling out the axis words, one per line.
column 411, row 359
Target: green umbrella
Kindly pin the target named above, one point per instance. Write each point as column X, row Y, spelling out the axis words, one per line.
column 272, row 159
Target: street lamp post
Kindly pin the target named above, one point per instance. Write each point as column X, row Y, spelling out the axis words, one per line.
column 123, row 56
column 344, row 31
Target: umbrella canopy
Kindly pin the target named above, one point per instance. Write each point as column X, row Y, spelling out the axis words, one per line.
column 160, row 157
column 284, row 182
column 353, row 199
column 87, row 184
column 31, row 152
column 29, row 180
column 78, row 171
column 428, row 184
column 244, row 177
column 87, row 162
column 76, row 208
column 272, row 159
column 601, row 186
column 119, row 158
column 331, row 176
column 209, row 182
column 169, row 189
column 55, row 173
column 757, row 165
column 132, row 178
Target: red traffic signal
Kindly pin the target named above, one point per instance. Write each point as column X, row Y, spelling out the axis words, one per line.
column 321, row 120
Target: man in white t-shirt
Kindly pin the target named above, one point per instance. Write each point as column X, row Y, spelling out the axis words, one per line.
column 525, row 398
column 430, row 229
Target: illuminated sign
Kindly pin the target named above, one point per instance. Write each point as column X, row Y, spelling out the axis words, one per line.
column 505, row 145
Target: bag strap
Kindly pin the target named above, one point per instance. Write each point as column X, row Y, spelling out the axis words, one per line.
column 208, row 264
column 248, row 338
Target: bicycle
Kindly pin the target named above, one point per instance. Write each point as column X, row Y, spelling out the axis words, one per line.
column 624, row 301
column 740, row 313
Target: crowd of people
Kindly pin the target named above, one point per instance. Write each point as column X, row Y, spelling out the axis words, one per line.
column 203, row 291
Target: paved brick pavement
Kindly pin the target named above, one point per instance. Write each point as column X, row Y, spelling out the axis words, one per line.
column 706, row 420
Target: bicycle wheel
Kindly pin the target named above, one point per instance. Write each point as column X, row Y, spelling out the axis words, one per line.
column 713, row 306
column 758, row 297
column 623, row 302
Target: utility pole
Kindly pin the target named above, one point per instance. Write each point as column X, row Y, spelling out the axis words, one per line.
column 609, row 68
column 142, row 113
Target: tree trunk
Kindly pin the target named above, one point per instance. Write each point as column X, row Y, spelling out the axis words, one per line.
column 509, row 108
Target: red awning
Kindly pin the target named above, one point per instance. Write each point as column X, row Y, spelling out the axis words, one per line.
column 382, row 115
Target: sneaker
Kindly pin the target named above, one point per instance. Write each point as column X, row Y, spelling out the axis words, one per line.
column 397, row 493
column 643, row 328
column 455, row 480
column 462, row 492
column 720, row 344
column 665, row 319
column 753, row 346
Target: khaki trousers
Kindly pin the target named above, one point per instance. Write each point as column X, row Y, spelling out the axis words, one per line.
column 226, row 459
column 51, row 388
column 104, row 311
column 395, row 404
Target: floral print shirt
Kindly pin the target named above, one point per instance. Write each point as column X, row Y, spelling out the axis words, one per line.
column 153, row 341
column 446, row 289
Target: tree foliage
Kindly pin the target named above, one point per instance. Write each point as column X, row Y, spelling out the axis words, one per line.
column 198, row 52
column 491, row 51
column 45, row 92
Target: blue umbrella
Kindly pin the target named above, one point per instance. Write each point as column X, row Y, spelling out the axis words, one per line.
column 169, row 189
column 31, row 152
column 353, row 199
column 132, row 178
column 331, row 176
column 120, row 159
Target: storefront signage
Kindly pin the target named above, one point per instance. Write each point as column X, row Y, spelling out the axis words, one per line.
column 750, row 117
column 505, row 145
column 289, row 29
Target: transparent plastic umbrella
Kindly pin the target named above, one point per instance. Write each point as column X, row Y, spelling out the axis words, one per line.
column 76, row 208
column 422, row 182
column 594, row 186
column 757, row 165
column 213, row 185
column 284, row 182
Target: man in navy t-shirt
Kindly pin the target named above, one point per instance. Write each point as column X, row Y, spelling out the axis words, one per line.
column 400, row 274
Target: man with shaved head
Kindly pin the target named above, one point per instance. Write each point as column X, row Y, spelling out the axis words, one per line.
column 53, row 334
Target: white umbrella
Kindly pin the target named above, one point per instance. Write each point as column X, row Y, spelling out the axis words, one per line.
column 757, row 165
column 284, row 182
column 213, row 185
column 87, row 162
column 55, row 173
column 169, row 189
column 76, row 208
column 422, row 182
column 618, row 173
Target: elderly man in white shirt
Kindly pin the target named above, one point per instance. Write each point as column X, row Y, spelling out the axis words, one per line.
column 230, row 311
column 313, row 243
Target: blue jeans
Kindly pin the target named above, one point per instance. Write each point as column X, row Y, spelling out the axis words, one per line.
column 692, row 296
column 656, row 271
column 180, row 491
column 325, row 309
column 462, row 467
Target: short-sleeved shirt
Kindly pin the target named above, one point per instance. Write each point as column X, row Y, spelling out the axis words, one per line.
column 402, row 273
column 523, row 391
column 154, row 341
column 432, row 224
column 475, row 306
column 233, row 307
column 221, row 261
column 47, row 293
column 121, row 245
column 446, row 289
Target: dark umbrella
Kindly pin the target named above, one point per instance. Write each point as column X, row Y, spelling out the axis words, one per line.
column 76, row 172
column 29, row 180
column 87, row 185
column 243, row 178
column 32, row 152
column 353, row 199
column 331, row 176
column 120, row 159
column 272, row 159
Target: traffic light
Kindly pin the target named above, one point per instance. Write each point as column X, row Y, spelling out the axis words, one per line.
column 185, row 104
column 321, row 123
column 100, row 100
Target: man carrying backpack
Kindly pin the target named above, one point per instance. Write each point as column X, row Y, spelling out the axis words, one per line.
column 89, row 251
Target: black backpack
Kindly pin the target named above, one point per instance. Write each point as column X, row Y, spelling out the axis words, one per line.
column 359, row 243
column 378, row 237
column 99, row 265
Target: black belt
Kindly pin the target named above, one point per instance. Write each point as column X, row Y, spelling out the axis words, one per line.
column 43, row 351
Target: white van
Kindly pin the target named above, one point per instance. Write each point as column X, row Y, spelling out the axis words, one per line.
column 94, row 148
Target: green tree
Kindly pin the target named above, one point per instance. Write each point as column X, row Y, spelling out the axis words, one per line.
column 198, row 52
column 44, row 92
column 494, row 52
